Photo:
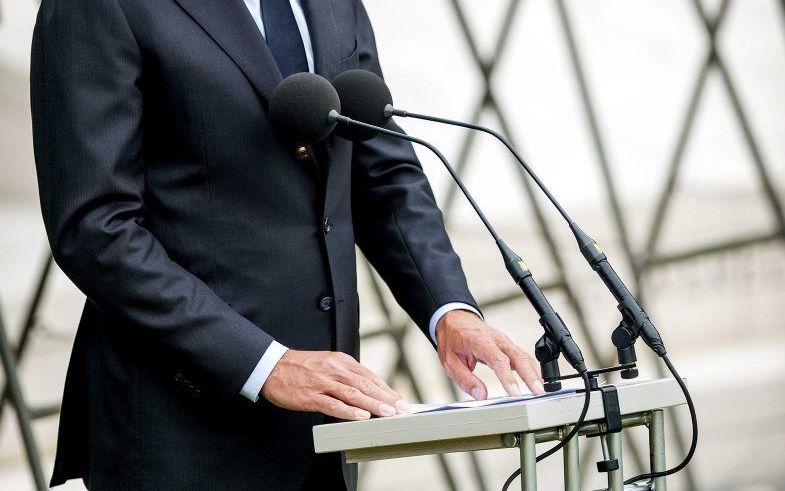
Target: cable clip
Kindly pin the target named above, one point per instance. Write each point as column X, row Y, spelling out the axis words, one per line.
column 611, row 424
column 610, row 405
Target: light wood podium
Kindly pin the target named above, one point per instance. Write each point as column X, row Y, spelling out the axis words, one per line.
column 519, row 424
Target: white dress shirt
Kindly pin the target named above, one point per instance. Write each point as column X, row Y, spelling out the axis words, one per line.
column 253, row 386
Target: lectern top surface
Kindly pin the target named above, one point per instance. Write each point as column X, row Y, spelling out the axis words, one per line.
column 516, row 417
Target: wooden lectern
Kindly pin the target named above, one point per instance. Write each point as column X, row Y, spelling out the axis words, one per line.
column 519, row 424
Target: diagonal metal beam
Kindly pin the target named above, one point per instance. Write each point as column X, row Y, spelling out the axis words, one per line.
column 713, row 61
column 712, row 27
column 597, row 137
column 28, row 325
column 486, row 69
column 782, row 4
column 21, row 409
column 714, row 249
column 488, row 101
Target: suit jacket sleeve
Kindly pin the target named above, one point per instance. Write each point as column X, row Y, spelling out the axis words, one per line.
column 398, row 225
column 86, row 95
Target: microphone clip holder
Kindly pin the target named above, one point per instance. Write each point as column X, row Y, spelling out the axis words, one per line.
column 624, row 341
column 547, row 353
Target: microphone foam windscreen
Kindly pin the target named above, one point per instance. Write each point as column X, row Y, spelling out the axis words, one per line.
column 363, row 96
column 299, row 107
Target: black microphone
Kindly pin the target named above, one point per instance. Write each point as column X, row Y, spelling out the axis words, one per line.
column 316, row 114
column 298, row 108
column 364, row 102
column 359, row 89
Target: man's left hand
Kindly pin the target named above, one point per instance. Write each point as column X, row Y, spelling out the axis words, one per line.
column 463, row 339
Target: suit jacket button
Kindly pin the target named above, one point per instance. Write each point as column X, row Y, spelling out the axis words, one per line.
column 326, row 304
column 302, row 152
column 327, row 225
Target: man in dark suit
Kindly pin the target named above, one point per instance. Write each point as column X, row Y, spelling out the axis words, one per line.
column 218, row 261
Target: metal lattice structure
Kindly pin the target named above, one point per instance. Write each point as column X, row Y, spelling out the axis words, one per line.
column 642, row 263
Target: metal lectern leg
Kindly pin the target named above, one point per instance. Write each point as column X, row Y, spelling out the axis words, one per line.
column 615, row 478
column 572, row 467
column 528, row 462
column 657, row 446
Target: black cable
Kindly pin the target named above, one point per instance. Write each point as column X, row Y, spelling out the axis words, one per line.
column 573, row 432
column 693, row 445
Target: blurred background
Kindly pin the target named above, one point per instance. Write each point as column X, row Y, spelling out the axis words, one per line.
column 661, row 127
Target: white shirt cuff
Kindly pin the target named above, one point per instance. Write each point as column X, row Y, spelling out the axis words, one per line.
column 448, row 307
column 253, row 386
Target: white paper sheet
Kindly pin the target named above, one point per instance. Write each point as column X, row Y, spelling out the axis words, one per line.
column 426, row 408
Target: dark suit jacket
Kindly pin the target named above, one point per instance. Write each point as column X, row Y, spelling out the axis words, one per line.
column 198, row 235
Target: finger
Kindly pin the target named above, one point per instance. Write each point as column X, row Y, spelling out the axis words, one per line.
column 401, row 405
column 399, row 402
column 466, row 380
column 333, row 407
column 368, row 387
column 364, row 371
column 356, row 398
column 526, row 368
column 500, row 364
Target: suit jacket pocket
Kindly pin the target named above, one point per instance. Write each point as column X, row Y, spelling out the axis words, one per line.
column 351, row 61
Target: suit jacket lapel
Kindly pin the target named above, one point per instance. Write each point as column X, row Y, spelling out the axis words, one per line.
column 231, row 26
column 324, row 36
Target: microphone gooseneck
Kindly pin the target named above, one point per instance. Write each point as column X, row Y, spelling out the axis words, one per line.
column 555, row 329
column 359, row 89
column 635, row 321
column 551, row 322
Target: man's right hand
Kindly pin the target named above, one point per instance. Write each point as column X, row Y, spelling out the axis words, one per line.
column 332, row 383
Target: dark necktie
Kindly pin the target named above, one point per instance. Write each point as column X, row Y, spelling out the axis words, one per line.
column 283, row 36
